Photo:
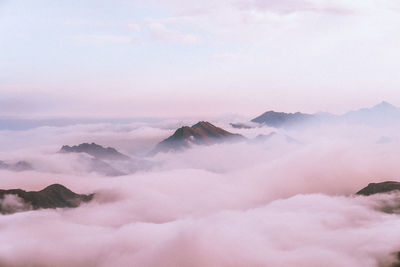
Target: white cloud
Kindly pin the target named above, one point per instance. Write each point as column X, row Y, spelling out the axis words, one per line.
column 272, row 203
column 13, row 203
column 161, row 32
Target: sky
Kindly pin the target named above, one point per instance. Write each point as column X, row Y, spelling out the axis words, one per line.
column 170, row 58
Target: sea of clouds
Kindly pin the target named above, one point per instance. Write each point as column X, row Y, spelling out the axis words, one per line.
column 271, row 203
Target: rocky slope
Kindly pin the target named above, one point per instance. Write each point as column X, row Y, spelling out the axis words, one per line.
column 202, row 133
column 53, row 196
column 376, row 188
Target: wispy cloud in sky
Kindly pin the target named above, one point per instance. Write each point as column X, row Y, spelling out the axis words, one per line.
column 292, row 54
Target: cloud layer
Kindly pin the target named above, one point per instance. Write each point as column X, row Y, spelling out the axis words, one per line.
column 273, row 203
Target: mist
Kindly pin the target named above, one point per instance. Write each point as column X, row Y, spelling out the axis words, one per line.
column 269, row 203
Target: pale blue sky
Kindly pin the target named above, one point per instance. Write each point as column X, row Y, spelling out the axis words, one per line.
column 182, row 58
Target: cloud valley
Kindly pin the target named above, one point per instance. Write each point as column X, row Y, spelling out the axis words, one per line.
column 268, row 203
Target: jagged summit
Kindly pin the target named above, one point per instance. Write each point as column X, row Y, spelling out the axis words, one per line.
column 201, row 133
column 206, row 129
column 203, row 124
column 96, row 151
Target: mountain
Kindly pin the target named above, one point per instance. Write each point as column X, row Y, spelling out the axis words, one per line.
column 18, row 167
column 376, row 188
column 281, row 119
column 53, row 196
column 380, row 114
column 202, row 133
column 107, row 161
column 96, row 151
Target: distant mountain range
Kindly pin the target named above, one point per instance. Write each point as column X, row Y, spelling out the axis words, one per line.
column 53, row 196
column 377, row 115
column 202, row 133
column 380, row 114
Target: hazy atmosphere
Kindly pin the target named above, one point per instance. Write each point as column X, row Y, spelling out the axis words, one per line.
column 174, row 58
column 199, row 133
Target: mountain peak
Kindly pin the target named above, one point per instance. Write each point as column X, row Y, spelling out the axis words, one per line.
column 201, row 133
column 55, row 187
column 53, row 196
column 384, row 105
column 203, row 124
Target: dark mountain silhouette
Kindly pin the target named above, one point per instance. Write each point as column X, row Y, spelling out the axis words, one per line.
column 53, row 196
column 281, row 119
column 376, row 188
column 18, row 167
column 202, row 133
column 96, row 151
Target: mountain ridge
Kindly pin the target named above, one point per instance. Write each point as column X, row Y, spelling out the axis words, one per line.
column 375, row 115
column 95, row 150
